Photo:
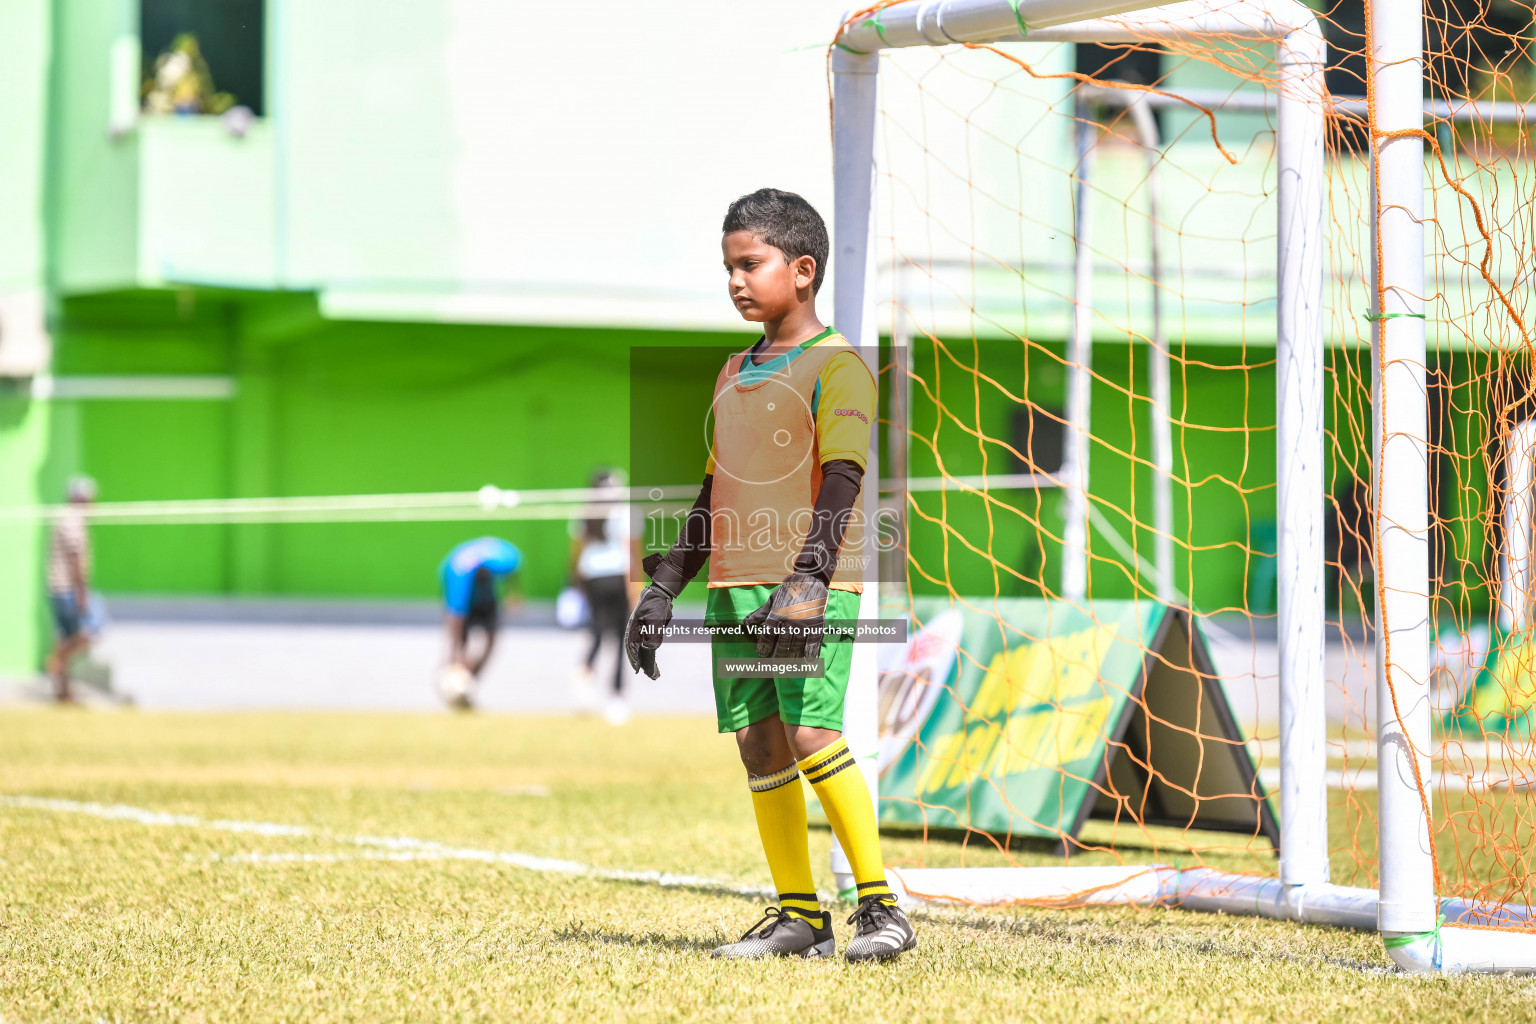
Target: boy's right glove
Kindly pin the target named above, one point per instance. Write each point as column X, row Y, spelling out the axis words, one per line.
column 648, row 621
column 790, row 624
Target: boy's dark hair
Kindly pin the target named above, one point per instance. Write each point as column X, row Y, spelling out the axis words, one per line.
column 785, row 221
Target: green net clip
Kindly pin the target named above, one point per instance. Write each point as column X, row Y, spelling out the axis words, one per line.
column 1399, row 941
column 1373, row 317
column 879, row 28
column 849, row 49
column 1023, row 27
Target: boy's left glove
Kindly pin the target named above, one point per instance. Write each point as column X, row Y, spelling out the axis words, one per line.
column 791, row 622
column 652, row 612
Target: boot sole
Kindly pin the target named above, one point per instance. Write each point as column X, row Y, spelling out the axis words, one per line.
column 823, row 950
column 889, row 954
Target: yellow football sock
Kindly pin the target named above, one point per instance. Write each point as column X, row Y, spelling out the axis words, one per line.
column 839, row 785
column 779, row 802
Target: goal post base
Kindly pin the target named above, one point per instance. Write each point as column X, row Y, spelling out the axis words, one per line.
column 1147, row 885
column 1473, row 936
column 1458, row 950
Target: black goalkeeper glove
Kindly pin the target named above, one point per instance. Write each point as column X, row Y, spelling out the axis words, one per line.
column 669, row 574
column 790, row 624
column 648, row 621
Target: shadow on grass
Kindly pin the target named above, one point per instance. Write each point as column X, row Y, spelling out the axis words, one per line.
column 577, row 932
column 762, row 897
column 1178, row 931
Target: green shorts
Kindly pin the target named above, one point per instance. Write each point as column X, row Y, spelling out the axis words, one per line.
column 814, row 702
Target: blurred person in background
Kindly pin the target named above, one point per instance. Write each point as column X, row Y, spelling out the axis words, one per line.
column 473, row 577
column 181, row 82
column 602, row 549
column 69, row 583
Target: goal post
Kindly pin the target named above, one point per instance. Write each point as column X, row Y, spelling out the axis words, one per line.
column 855, row 62
column 1405, row 909
column 1401, row 480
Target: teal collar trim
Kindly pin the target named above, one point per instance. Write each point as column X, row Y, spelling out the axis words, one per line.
column 754, row 373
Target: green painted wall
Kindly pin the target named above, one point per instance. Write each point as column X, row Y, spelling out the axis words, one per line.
column 24, row 49
column 328, row 407
column 26, row 474
column 25, row 425
column 93, row 203
column 205, row 203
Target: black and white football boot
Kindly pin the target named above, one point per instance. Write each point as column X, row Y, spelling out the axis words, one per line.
column 779, row 934
column 880, row 931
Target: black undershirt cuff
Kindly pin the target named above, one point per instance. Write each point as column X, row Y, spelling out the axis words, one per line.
column 841, row 480
column 677, row 568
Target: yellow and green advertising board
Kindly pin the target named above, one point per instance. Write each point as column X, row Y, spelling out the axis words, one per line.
column 1025, row 717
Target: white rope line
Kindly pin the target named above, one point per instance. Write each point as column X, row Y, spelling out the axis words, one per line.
column 489, row 502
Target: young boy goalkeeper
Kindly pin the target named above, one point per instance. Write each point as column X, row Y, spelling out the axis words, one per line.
column 791, row 437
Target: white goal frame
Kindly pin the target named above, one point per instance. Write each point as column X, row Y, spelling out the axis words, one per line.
column 1406, row 909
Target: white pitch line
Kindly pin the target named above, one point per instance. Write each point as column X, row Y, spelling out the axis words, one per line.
column 138, row 815
column 321, row 858
column 387, row 848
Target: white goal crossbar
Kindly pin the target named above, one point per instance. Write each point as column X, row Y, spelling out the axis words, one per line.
column 1406, row 910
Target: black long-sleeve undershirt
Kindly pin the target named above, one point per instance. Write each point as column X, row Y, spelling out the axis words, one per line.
column 841, row 480
column 673, row 571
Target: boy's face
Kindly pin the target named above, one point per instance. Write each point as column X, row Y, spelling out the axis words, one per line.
column 762, row 284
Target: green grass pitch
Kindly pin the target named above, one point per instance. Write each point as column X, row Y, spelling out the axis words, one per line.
column 392, row 895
